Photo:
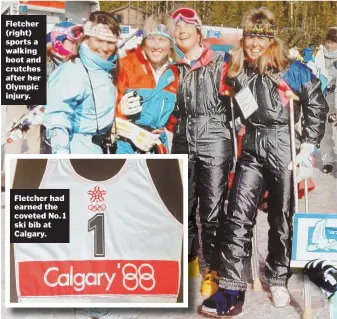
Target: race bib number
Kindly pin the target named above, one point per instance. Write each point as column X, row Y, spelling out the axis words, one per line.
column 246, row 102
column 98, row 277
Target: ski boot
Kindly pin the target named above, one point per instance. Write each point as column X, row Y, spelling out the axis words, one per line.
column 193, row 268
column 224, row 304
column 209, row 283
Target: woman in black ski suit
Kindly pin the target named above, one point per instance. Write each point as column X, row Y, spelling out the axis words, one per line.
column 260, row 66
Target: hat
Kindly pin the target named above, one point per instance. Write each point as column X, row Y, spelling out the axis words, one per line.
column 64, row 31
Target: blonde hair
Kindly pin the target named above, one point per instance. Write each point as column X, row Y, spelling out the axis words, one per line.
column 151, row 24
column 276, row 56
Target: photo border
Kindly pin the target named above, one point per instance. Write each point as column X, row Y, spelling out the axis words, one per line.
column 9, row 304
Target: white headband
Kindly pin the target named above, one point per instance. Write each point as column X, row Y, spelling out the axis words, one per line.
column 100, row 31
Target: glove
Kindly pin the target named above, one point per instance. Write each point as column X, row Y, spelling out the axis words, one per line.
column 290, row 95
column 131, row 104
column 305, row 162
column 142, row 139
column 238, row 125
column 323, row 275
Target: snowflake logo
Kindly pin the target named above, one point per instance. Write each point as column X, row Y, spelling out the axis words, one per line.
column 96, row 194
column 96, row 197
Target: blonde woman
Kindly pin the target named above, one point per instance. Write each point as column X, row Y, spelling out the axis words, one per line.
column 147, row 86
column 261, row 67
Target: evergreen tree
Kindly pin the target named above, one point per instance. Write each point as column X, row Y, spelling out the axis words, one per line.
column 298, row 22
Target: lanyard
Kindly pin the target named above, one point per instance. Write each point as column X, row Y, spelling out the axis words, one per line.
column 93, row 97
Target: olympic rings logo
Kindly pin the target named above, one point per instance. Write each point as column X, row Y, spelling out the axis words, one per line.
column 138, row 276
column 97, row 207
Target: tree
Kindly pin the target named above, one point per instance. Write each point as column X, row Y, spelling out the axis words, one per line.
column 300, row 22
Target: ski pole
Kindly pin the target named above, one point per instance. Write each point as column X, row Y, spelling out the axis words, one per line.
column 138, row 33
column 293, row 151
column 234, row 132
column 12, row 133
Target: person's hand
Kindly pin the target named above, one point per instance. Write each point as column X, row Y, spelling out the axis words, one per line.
column 142, row 139
column 130, row 104
column 290, row 95
column 158, row 131
column 304, row 162
column 324, row 275
column 145, row 140
column 229, row 92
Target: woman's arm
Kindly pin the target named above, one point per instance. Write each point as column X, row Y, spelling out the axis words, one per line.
column 314, row 107
column 63, row 96
column 315, row 110
column 122, row 84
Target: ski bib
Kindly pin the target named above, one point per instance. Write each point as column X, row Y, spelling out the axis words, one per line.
column 125, row 246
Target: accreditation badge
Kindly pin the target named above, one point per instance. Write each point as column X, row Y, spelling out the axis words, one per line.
column 246, row 102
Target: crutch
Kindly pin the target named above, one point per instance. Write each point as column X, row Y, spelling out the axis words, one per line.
column 307, row 298
column 257, row 286
column 307, row 314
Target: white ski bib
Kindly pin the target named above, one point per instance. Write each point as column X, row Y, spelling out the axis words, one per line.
column 125, row 246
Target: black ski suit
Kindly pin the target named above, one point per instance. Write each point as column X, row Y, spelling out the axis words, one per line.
column 263, row 164
column 203, row 133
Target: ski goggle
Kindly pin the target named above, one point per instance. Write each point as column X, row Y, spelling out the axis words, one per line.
column 76, row 32
column 73, row 33
column 161, row 30
column 188, row 15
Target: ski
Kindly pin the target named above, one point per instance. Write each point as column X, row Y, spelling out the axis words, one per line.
column 16, row 129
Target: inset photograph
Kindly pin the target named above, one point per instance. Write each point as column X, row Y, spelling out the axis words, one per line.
column 88, row 232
